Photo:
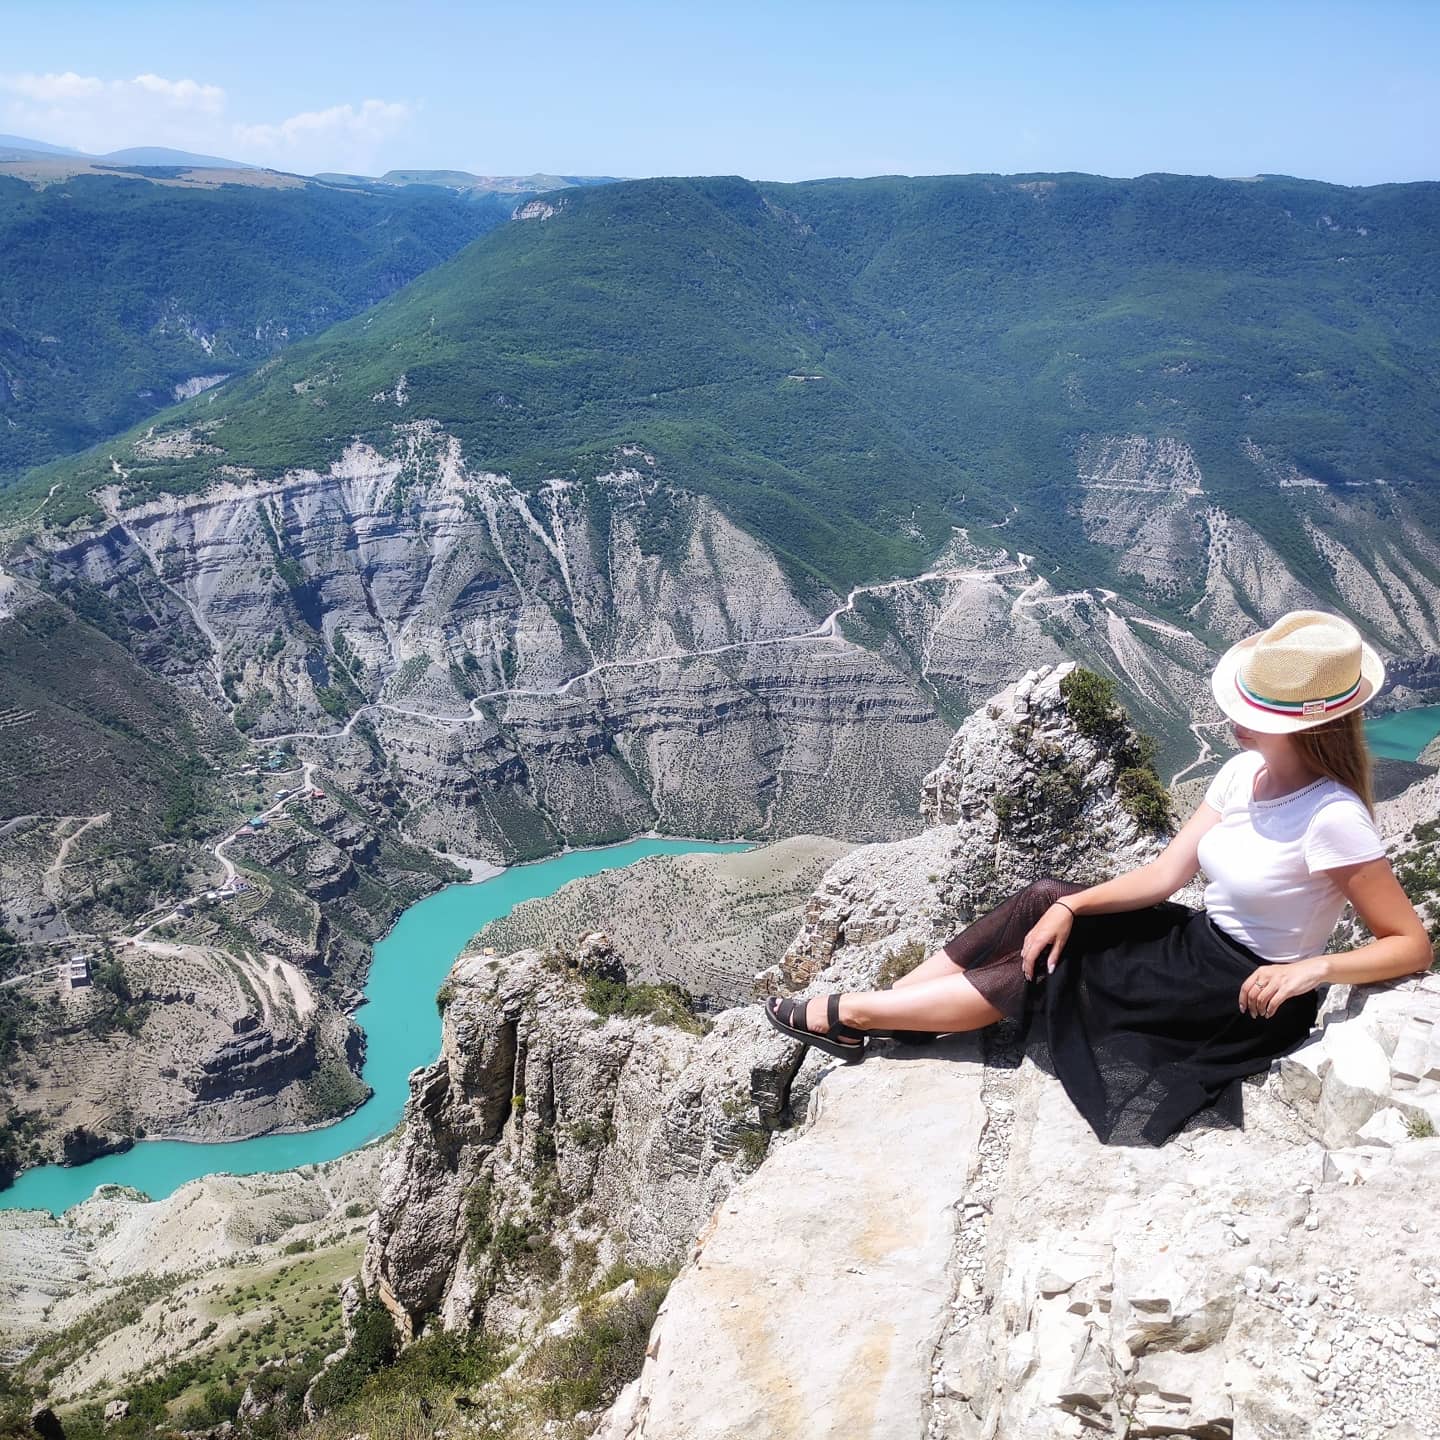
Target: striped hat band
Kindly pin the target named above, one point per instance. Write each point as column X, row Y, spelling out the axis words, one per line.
column 1297, row 707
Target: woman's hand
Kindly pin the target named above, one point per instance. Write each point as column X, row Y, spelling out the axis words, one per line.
column 1049, row 932
column 1268, row 987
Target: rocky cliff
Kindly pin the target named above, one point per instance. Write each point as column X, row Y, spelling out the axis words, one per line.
column 592, row 657
column 933, row 1242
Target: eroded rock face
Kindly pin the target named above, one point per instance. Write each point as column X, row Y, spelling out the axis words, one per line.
column 936, row 1244
column 585, row 658
column 542, row 1120
column 544, row 667
column 1229, row 1283
column 839, row 1344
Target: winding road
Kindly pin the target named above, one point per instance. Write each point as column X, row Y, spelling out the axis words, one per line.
column 827, row 629
column 218, row 851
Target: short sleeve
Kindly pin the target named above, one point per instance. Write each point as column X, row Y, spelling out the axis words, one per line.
column 1218, row 795
column 1341, row 832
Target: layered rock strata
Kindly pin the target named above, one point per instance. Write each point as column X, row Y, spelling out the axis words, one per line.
column 586, row 659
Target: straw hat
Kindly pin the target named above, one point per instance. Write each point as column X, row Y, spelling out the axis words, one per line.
column 1307, row 668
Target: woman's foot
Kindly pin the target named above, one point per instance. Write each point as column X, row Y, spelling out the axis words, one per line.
column 817, row 1022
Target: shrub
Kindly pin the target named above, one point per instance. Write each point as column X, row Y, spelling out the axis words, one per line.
column 1090, row 699
column 479, row 1229
column 899, row 964
column 665, row 1004
column 752, row 1146
column 1142, row 794
column 372, row 1346
column 587, row 1368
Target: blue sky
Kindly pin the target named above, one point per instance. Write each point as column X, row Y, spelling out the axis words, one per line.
column 1348, row 92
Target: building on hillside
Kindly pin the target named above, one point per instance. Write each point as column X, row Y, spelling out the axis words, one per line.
column 75, row 973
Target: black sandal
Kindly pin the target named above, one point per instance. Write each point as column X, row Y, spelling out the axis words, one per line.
column 788, row 1017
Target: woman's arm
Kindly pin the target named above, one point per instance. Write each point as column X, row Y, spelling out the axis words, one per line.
column 1174, row 867
column 1400, row 946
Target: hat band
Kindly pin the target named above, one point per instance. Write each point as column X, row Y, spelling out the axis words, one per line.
column 1297, row 707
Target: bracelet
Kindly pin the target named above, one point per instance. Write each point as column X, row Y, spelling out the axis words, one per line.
column 1064, row 906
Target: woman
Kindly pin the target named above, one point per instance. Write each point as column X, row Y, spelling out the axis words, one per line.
column 1153, row 1011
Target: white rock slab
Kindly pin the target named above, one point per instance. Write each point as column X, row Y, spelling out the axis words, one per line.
column 821, row 1288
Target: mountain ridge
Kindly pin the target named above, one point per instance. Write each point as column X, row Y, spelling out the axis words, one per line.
column 944, row 368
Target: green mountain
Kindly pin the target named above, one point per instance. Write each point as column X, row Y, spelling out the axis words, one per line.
column 851, row 367
column 119, row 294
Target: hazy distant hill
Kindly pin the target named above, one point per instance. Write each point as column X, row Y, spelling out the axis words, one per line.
column 20, row 144
column 851, row 367
column 161, row 155
column 464, row 180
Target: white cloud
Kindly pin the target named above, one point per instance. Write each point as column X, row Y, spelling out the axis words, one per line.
column 374, row 120
column 183, row 94
column 51, row 88
column 99, row 115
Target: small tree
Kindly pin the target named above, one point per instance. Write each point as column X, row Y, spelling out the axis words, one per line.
column 1099, row 716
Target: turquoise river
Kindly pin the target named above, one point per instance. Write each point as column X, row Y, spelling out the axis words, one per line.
column 1403, row 735
column 402, row 1029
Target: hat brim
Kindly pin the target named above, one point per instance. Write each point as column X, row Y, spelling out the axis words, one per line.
column 1264, row 722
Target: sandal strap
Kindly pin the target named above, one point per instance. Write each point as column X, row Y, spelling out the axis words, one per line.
column 790, row 1011
column 837, row 1025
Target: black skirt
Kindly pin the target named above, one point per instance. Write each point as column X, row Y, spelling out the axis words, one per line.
column 1141, row 1018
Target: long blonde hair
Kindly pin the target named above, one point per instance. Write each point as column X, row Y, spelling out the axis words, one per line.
column 1339, row 750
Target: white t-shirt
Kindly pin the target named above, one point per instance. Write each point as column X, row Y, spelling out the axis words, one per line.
column 1266, row 859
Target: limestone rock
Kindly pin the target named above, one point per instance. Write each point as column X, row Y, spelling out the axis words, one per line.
column 536, row 1110
column 1052, row 1286
column 841, row 1342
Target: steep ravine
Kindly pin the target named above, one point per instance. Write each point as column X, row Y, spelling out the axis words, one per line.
column 933, row 1242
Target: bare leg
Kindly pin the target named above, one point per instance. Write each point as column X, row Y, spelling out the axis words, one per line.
column 934, row 967
column 937, row 996
column 947, row 1004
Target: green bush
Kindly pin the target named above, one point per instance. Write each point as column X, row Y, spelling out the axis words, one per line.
column 1090, row 699
column 666, row 1004
column 1142, row 794
column 752, row 1146
column 479, row 1229
column 373, row 1345
column 1096, row 714
column 587, row 1368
